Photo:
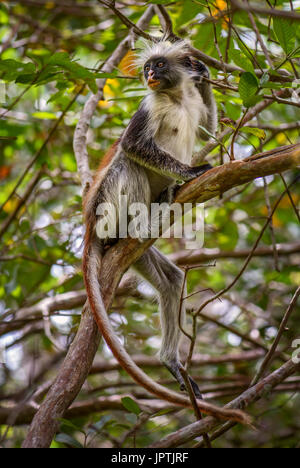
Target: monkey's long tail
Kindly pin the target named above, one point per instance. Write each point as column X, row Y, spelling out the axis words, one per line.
column 92, row 268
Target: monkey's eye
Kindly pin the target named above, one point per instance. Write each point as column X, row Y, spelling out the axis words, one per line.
column 147, row 68
column 160, row 64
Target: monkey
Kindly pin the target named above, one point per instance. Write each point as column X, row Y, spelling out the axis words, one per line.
column 153, row 153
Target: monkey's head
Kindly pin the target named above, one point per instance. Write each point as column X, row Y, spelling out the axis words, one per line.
column 160, row 73
column 166, row 65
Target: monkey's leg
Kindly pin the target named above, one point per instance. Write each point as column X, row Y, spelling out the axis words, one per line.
column 167, row 280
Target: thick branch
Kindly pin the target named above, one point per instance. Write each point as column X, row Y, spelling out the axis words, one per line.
column 67, row 384
column 220, row 179
column 84, row 408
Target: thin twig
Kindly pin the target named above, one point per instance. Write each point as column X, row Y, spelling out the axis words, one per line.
column 192, row 396
column 273, row 348
column 271, row 225
column 130, row 25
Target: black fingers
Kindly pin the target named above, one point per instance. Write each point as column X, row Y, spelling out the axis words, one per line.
column 200, row 68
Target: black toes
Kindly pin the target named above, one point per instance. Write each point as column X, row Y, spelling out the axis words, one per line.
column 196, row 389
column 174, row 369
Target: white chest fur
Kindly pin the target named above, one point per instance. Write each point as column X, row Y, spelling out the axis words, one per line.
column 175, row 119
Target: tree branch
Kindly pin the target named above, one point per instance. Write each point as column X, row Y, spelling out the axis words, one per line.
column 199, row 360
column 288, row 14
column 261, row 390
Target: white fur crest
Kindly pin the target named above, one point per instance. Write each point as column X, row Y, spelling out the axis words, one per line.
column 162, row 48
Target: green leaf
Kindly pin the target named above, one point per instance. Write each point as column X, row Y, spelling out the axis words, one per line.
column 99, row 425
column 62, row 60
column 68, row 423
column 229, row 125
column 233, row 110
column 92, row 85
column 131, row 405
column 258, row 132
column 248, row 87
column 25, row 79
column 44, row 115
column 264, row 79
column 204, row 130
column 245, row 50
column 187, row 12
column 68, row 440
column 253, row 100
column 296, row 53
column 56, row 96
column 285, row 33
column 241, row 60
column 12, row 69
column 4, row 17
column 229, row 236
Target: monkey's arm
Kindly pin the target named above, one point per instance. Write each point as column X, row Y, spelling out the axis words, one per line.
column 140, row 146
column 205, row 90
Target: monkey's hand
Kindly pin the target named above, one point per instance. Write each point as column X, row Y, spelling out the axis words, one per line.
column 197, row 171
column 200, row 71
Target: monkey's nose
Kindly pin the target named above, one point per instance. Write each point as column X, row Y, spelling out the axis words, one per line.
column 151, row 74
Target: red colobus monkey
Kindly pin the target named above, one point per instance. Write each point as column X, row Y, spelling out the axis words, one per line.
column 152, row 154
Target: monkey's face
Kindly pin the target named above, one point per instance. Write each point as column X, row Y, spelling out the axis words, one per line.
column 160, row 75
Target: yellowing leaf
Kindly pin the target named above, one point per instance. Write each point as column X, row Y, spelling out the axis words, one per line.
column 276, row 221
column 286, row 202
column 44, row 115
column 49, row 5
column 10, row 206
column 4, row 171
column 281, row 139
column 113, row 82
column 103, row 104
column 109, row 91
column 295, row 277
column 221, row 5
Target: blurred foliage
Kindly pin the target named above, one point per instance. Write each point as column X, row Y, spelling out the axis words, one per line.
column 51, row 55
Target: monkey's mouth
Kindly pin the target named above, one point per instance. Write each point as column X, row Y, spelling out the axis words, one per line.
column 153, row 83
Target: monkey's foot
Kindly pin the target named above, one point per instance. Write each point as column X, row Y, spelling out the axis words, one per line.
column 174, row 367
column 169, row 194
